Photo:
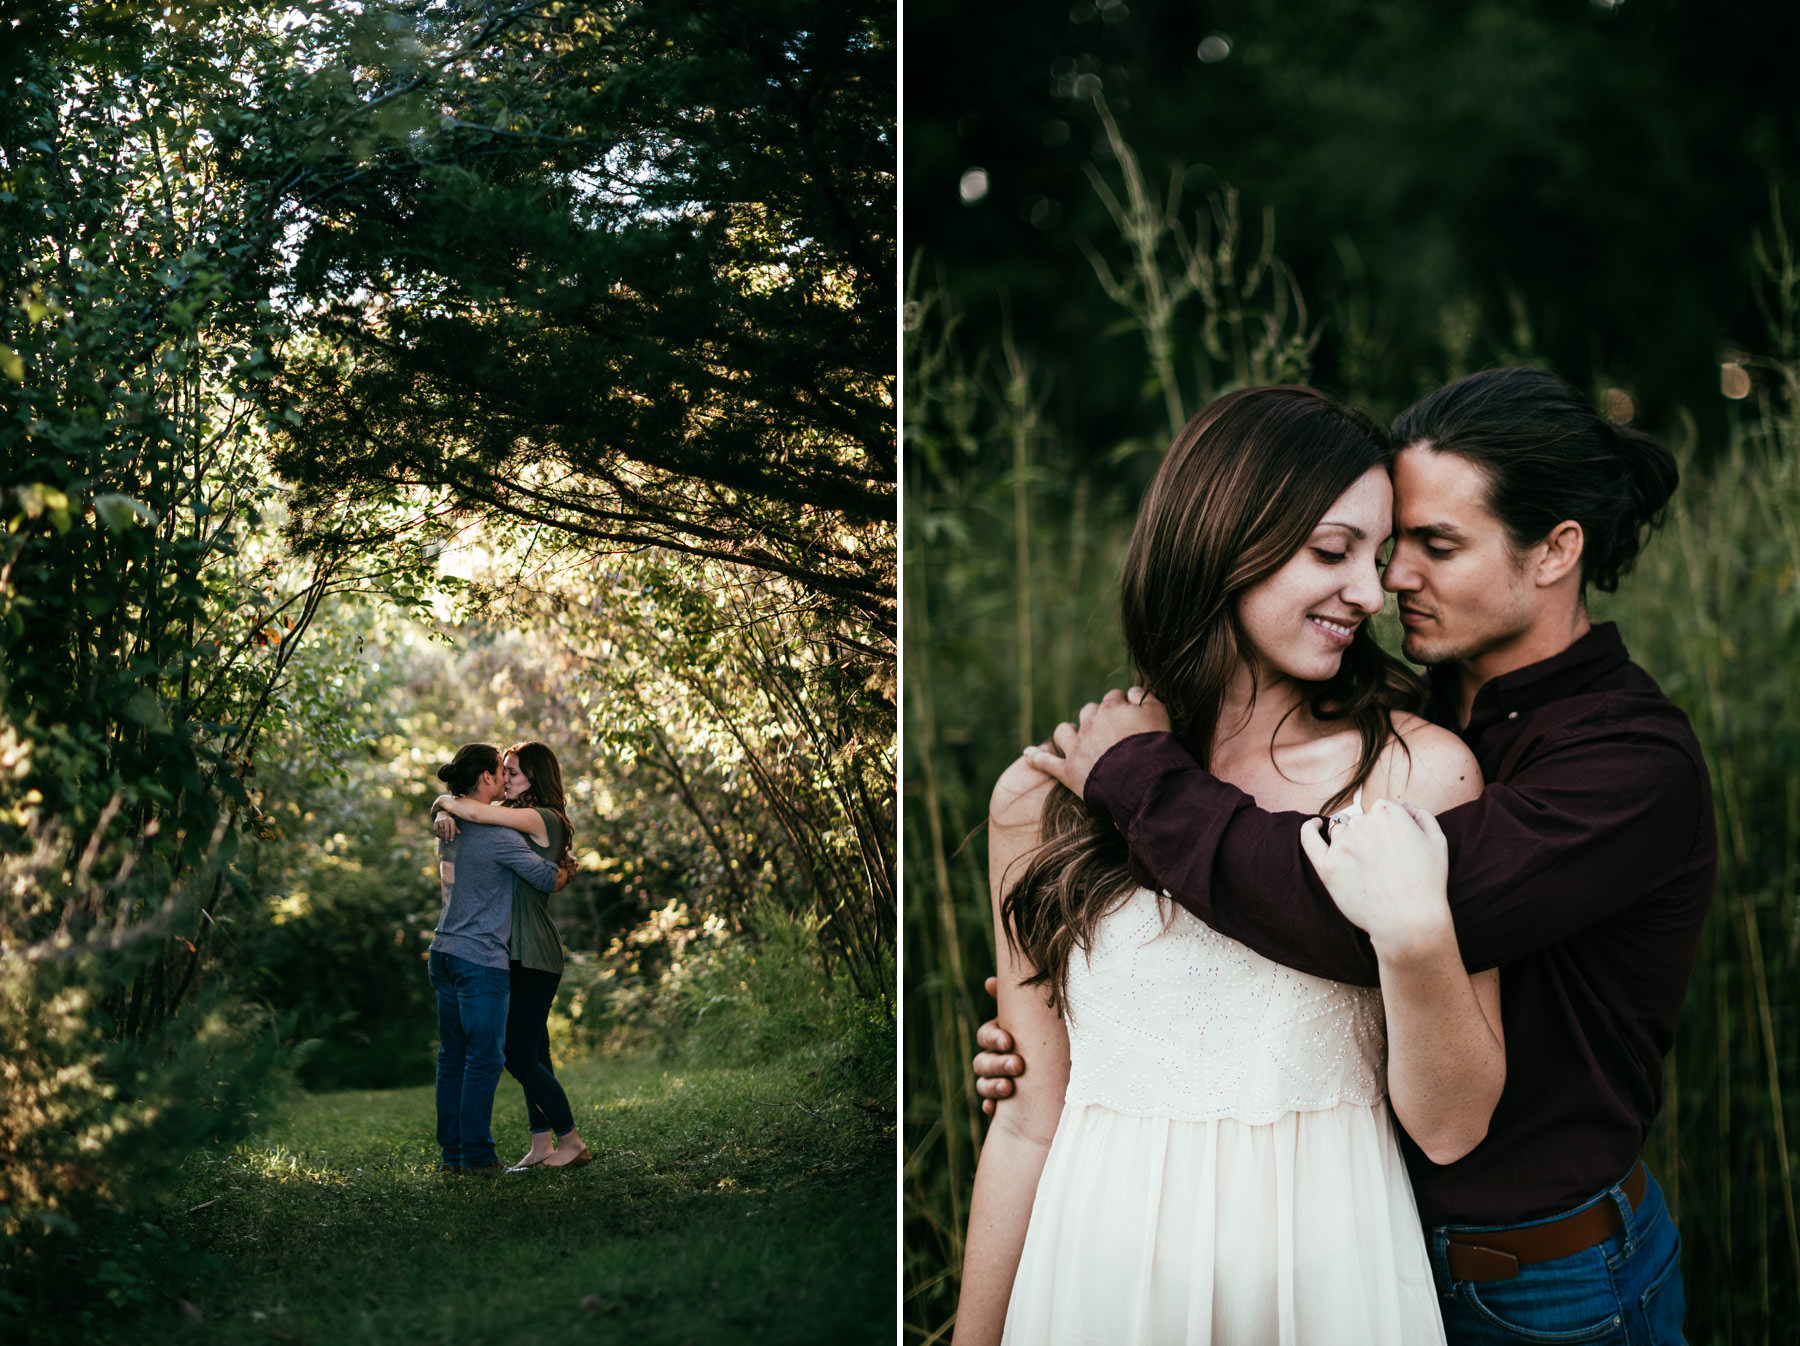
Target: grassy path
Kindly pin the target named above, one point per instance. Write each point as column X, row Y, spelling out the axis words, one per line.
column 748, row 1203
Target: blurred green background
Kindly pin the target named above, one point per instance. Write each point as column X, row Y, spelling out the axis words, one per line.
column 1600, row 165
column 1115, row 212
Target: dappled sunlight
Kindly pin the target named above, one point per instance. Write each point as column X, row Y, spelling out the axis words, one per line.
column 283, row 1165
column 377, row 380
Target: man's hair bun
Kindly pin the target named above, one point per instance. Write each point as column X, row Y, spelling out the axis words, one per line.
column 471, row 763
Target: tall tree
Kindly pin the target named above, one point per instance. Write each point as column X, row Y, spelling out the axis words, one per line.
column 629, row 275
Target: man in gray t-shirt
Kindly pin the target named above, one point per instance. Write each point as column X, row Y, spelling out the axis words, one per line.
column 476, row 869
column 468, row 961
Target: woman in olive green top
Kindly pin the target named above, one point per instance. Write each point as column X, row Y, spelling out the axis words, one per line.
column 534, row 806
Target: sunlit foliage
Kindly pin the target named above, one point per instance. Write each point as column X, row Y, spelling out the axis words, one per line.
column 254, row 257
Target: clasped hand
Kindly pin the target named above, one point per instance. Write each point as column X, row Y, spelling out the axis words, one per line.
column 1387, row 870
column 1118, row 715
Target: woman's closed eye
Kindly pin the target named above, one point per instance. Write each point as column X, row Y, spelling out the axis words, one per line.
column 1328, row 556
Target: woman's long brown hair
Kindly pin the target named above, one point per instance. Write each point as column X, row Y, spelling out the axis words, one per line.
column 1240, row 491
column 545, row 775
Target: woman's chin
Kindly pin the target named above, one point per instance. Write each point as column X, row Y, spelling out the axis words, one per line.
column 1316, row 669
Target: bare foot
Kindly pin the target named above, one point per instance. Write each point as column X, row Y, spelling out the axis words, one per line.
column 569, row 1150
column 537, row 1154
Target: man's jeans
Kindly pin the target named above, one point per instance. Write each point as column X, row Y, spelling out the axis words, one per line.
column 1625, row 1291
column 472, row 1002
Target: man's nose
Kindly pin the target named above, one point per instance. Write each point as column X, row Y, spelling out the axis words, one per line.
column 1401, row 576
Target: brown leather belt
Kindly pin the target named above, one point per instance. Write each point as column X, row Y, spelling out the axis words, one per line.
column 1498, row 1255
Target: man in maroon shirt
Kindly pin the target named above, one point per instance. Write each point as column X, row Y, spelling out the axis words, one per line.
column 1583, row 872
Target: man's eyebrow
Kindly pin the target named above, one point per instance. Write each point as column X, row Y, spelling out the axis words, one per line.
column 1349, row 528
column 1445, row 530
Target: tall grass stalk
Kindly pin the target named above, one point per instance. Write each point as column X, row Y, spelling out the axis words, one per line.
column 1151, row 295
column 1256, row 338
column 1024, row 408
column 1714, row 614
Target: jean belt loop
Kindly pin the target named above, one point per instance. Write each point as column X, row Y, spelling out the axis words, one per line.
column 1616, row 1194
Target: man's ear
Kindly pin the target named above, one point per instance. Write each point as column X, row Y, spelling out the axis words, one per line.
column 1562, row 553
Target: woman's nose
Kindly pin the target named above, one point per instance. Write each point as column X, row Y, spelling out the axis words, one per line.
column 1364, row 589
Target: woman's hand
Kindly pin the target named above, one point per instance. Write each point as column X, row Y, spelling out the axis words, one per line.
column 445, row 810
column 1388, row 871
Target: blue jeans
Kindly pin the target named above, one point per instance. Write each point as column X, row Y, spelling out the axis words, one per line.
column 472, row 1002
column 1625, row 1291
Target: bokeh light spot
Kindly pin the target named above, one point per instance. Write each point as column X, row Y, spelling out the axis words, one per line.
column 973, row 187
column 1040, row 212
column 1055, row 132
column 1214, row 47
column 1619, row 407
column 1734, row 380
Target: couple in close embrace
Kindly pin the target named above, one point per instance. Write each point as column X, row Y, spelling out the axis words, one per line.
column 496, row 957
column 1381, row 1077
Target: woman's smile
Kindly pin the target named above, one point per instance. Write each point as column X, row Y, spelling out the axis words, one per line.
column 1338, row 632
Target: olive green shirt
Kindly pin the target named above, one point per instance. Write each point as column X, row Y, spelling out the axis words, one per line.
column 534, row 941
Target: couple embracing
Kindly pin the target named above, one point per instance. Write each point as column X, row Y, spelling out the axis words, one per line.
column 1381, row 1077
column 496, row 958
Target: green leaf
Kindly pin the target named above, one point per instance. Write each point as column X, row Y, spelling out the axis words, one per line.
column 146, row 710
column 119, row 512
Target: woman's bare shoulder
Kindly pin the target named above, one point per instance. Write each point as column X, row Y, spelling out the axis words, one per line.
column 1018, row 798
column 1427, row 765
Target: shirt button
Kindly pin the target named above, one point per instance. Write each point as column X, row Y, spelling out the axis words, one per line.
column 1512, row 714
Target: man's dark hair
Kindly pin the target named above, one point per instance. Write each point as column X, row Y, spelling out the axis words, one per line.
column 471, row 763
column 1549, row 456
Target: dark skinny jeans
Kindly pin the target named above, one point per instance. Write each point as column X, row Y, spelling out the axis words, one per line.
column 528, row 1048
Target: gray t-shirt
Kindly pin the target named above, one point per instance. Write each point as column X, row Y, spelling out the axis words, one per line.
column 476, row 870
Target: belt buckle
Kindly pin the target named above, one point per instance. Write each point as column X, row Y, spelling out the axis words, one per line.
column 1472, row 1262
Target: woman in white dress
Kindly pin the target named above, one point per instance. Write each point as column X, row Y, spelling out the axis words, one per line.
column 1202, row 1150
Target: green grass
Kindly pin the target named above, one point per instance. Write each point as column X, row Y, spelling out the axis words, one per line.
column 725, row 1203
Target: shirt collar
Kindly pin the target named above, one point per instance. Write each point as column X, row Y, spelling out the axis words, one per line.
column 1598, row 652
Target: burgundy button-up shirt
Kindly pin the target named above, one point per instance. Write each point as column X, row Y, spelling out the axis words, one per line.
column 1583, row 872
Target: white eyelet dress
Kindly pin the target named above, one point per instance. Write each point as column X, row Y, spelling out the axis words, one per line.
column 1225, row 1170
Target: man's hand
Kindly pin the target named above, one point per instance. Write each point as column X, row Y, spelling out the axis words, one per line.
column 563, row 874
column 1388, row 871
column 995, row 1065
column 1118, row 716
column 444, row 825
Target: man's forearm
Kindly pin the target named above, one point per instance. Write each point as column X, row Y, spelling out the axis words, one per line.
column 527, row 864
column 1235, row 866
